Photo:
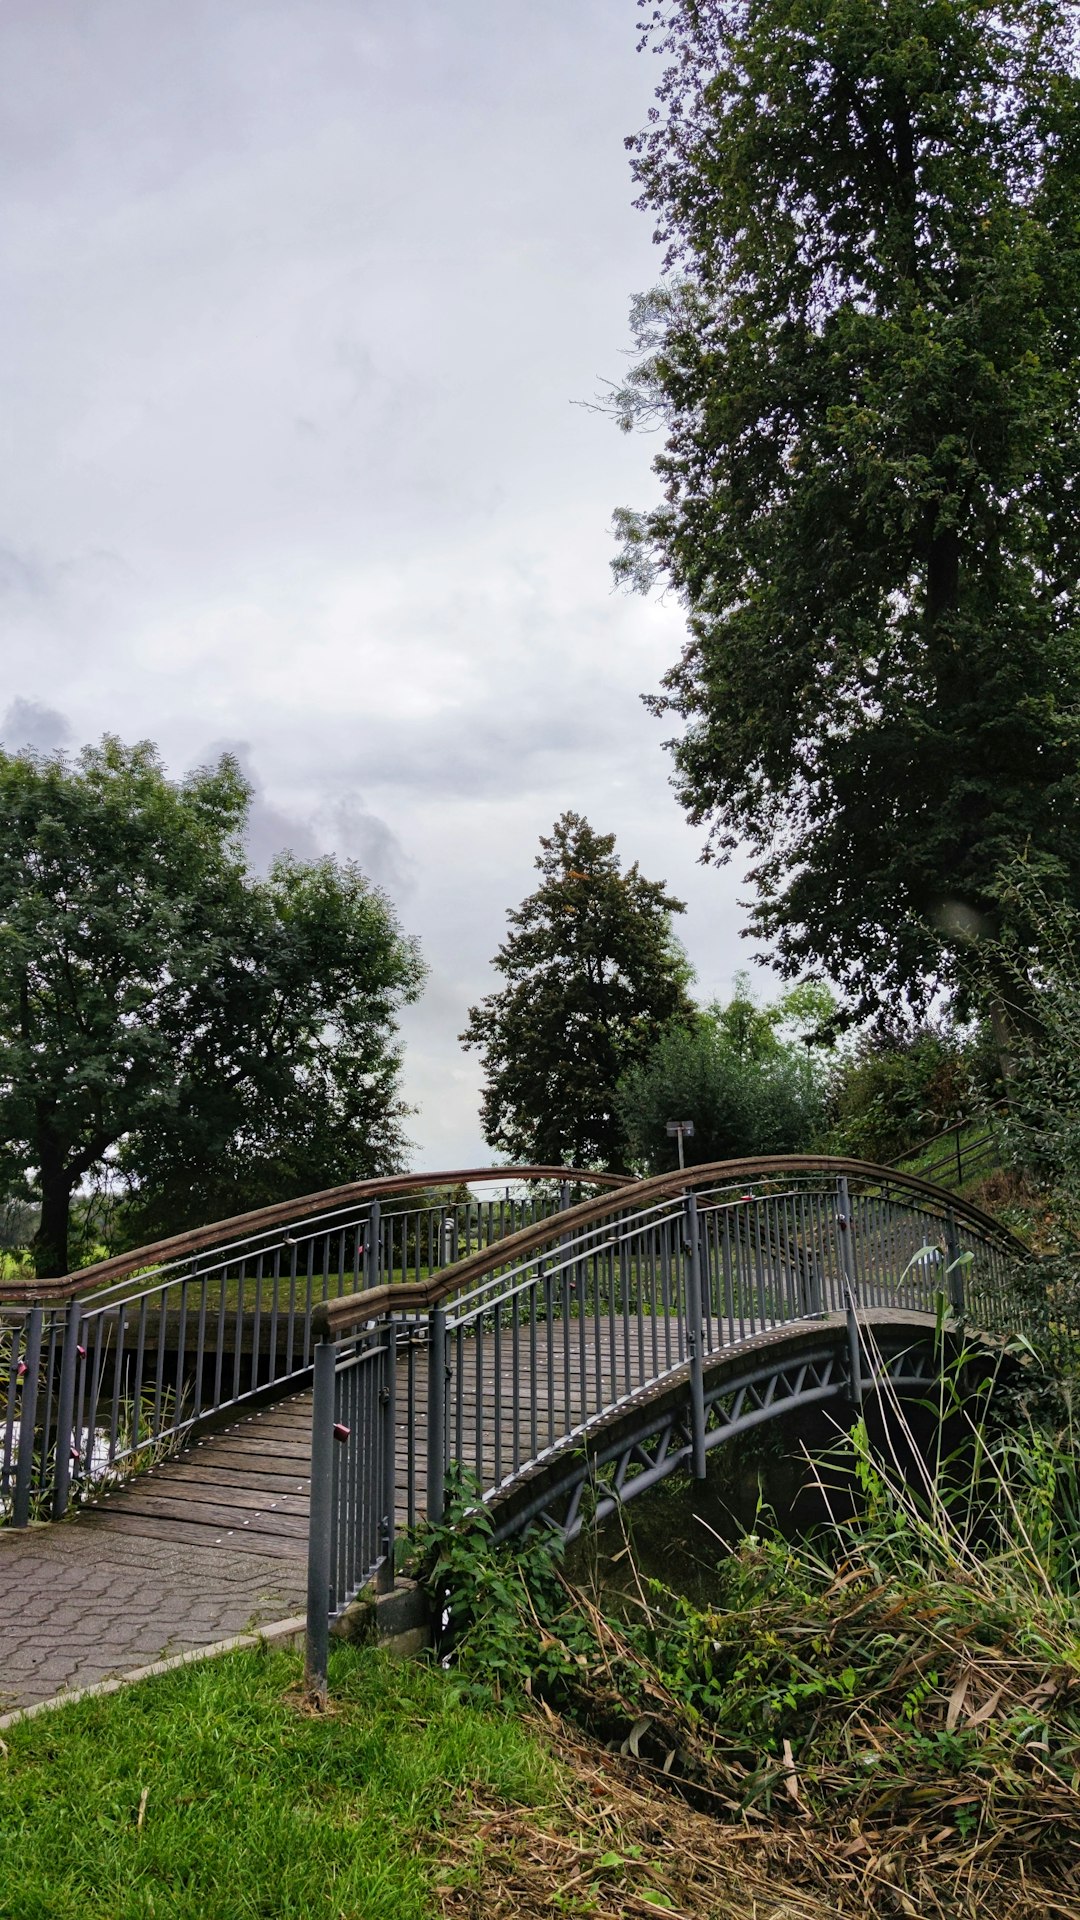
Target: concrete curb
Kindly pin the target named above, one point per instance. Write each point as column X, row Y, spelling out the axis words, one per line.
column 279, row 1632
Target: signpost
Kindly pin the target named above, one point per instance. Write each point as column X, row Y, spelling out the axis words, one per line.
column 680, row 1130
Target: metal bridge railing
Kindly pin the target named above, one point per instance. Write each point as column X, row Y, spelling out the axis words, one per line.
column 106, row 1370
column 518, row 1351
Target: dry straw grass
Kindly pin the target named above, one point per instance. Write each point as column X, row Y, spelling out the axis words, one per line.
column 619, row 1844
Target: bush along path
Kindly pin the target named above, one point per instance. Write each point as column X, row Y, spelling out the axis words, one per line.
column 898, row 1706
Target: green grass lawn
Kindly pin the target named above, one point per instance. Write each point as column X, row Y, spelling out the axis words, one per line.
column 212, row 1794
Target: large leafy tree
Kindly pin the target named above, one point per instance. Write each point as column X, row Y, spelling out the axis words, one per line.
column 593, row 973
column 866, row 360
column 740, row 1071
column 217, row 1039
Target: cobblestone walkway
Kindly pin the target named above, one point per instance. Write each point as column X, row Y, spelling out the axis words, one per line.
column 78, row 1604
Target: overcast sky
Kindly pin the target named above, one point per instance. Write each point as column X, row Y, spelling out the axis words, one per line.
column 296, row 298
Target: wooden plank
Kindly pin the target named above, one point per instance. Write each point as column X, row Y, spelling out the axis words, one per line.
column 270, row 1484
column 220, row 1489
column 209, row 1513
column 242, row 1540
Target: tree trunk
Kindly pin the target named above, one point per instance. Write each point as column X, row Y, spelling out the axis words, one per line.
column 50, row 1247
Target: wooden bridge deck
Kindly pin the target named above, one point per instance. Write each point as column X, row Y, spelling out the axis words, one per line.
column 247, row 1486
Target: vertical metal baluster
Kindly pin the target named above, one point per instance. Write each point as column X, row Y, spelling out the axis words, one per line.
column 309, row 1296
column 47, row 1396
column 693, row 1338
column 24, row 1466
column 290, row 1332
column 567, row 1421
column 497, row 1449
column 238, row 1324
column 200, row 1341
column 515, row 1373
column 605, row 1289
column 410, row 1428
column 549, row 1345
column 436, row 1437
column 459, row 1394
column 654, row 1330
column 14, row 1391
column 219, row 1335
column 320, row 1521
column 256, row 1331
column 534, row 1439
column 664, row 1238
column 275, row 1314
column 96, row 1370
column 65, row 1407
column 478, row 1409
column 765, row 1302
column 620, row 1278
column 956, row 1272
column 181, row 1354
column 725, row 1262
column 114, row 1415
column 140, row 1350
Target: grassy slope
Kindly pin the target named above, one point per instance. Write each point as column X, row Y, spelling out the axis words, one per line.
column 252, row 1806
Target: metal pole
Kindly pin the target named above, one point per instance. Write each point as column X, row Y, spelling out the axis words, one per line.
column 20, row 1515
column 436, row 1436
column 846, row 1228
column 317, row 1642
column 693, row 1337
column 682, row 1160
column 956, row 1271
column 388, row 1404
column 372, row 1238
column 65, row 1437
column 855, row 1372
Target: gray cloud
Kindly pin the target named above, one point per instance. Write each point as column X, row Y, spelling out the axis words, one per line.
column 29, row 723
column 356, row 833
column 293, row 305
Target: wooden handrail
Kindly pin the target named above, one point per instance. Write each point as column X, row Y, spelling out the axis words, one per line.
column 280, row 1213
column 333, row 1317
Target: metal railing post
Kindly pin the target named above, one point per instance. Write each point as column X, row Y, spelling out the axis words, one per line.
column 845, row 1226
column 855, row 1371
column 372, row 1245
column 317, row 1639
column 65, row 1409
column 436, row 1434
column 956, row 1271
column 24, row 1469
column 693, row 1337
column 388, row 1410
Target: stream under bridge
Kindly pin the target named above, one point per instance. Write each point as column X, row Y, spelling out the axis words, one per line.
column 309, row 1379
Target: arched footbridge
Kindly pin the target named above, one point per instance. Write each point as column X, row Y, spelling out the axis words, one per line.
column 308, row 1377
